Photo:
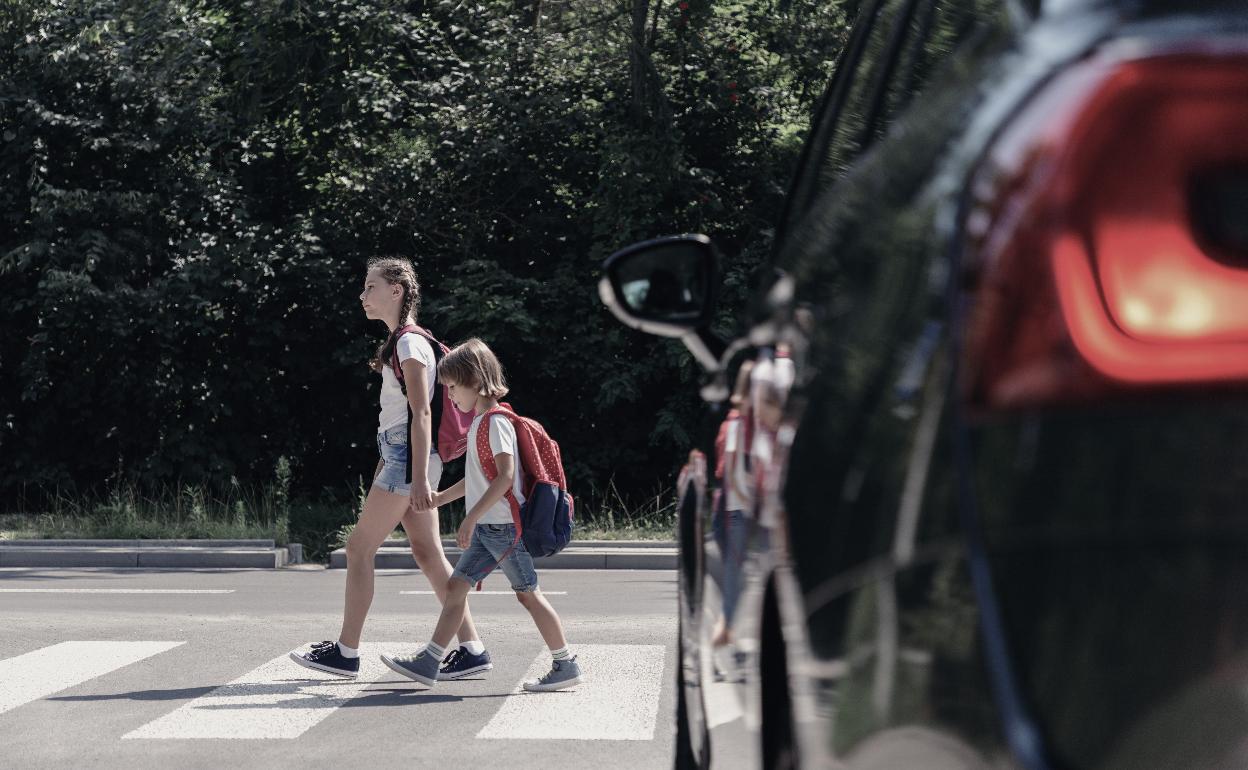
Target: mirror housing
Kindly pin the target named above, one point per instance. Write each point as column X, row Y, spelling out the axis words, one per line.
column 667, row 287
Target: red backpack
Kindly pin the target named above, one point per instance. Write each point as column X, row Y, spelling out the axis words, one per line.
column 544, row 522
column 721, row 441
column 450, row 426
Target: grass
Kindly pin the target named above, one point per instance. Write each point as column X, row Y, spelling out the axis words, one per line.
column 267, row 512
column 168, row 512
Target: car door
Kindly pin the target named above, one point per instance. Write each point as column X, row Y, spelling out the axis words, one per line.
column 882, row 659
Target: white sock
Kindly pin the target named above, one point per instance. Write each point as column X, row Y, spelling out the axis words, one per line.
column 475, row 647
column 435, row 650
column 563, row 653
column 348, row 652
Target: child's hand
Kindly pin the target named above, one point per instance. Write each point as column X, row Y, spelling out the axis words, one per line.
column 421, row 495
column 463, row 536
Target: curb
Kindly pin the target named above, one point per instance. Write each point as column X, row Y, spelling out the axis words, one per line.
column 168, row 554
column 185, row 543
column 620, row 554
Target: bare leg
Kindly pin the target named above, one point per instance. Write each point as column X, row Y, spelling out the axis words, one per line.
column 454, row 609
column 426, row 542
column 548, row 623
column 382, row 512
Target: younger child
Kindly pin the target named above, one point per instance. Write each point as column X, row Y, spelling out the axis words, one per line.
column 488, row 534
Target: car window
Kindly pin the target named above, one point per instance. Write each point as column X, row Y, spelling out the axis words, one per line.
column 895, row 50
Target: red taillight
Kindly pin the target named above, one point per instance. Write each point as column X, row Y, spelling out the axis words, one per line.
column 1089, row 271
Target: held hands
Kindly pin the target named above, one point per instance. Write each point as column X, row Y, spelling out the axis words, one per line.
column 423, row 498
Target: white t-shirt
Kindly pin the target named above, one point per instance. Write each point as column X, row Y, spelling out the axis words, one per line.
column 502, row 442
column 733, row 439
column 393, row 402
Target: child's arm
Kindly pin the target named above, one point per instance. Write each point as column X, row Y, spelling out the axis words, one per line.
column 449, row 495
column 506, row 466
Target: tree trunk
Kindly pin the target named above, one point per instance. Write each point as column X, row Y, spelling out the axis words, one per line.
column 530, row 12
column 648, row 99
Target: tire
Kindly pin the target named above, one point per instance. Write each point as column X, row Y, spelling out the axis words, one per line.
column 685, row 758
column 779, row 745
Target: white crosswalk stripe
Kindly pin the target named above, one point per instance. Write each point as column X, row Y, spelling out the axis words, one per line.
column 51, row 669
column 483, row 593
column 278, row 700
column 619, row 701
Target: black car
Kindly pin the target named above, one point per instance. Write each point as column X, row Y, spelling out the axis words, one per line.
column 1003, row 522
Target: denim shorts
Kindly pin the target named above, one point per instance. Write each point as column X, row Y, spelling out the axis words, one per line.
column 392, row 446
column 490, row 541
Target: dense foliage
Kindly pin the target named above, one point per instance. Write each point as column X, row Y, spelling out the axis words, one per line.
column 189, row 191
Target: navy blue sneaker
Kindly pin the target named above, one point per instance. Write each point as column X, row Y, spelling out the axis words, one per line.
column 461, row 663
column 324, row 656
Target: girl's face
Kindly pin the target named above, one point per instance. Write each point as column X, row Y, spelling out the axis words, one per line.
column 380, row 298
column 464, row 398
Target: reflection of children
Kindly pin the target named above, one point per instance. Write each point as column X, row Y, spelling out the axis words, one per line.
column 692, row 472
column 729, row 522
column 770, row 383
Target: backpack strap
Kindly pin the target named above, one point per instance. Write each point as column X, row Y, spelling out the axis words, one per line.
column 435, row 405
column 485, row 454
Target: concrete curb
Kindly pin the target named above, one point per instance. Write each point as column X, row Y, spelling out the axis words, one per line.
column 186, row 543
column 263, row 554
column 167, row 554
column 578, row 555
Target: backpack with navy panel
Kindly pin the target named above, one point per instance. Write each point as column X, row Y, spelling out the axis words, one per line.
column 544, row 522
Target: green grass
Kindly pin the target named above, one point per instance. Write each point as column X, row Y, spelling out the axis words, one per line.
column 236, row 513
column 181, row 512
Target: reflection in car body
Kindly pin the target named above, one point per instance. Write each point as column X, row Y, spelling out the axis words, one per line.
column 1005, row 499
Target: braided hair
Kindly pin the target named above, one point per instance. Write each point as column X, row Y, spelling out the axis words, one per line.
column 396, row 270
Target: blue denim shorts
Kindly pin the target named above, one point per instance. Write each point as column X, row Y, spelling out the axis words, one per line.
column 490, row 541
column 393, row 448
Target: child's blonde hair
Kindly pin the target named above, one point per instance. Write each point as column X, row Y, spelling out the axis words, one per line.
column 472, row 364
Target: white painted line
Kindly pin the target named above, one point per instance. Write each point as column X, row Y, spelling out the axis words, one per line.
column 116, row 590
column 618, row 701
column 278, row 700
column 485, row 593
column 51, row 669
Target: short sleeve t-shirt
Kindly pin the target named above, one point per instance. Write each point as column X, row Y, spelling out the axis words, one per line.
column 502, row 442
column 736, row 475
column 393, row 402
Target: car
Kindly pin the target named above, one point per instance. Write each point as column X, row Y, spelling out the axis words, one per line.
column 1002, row 520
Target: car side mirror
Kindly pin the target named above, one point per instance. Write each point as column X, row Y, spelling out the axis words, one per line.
column 666, row 287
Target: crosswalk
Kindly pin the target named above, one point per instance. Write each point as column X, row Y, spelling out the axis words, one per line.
column 49, row 670
column 278, row 701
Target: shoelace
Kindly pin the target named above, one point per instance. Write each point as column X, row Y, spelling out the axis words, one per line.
column 554, row 669
column 322, row 649
column 452, row 659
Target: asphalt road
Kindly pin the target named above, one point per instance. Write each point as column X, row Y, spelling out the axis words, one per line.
column 156, row 669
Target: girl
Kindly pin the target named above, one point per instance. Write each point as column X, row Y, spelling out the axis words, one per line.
column 733, row 504
column 392, row 294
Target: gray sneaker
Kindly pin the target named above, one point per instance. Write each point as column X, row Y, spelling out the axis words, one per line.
column 421, row 667
column 562, row 675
